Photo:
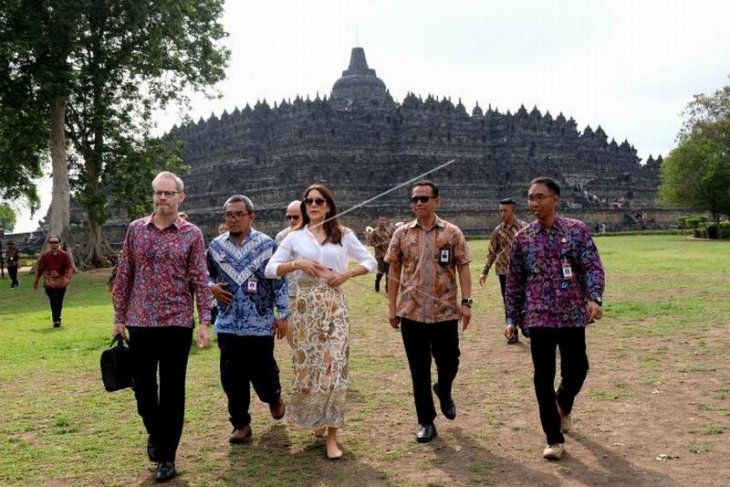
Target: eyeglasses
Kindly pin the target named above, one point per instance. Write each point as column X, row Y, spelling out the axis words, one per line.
column 421, row 199
column 314, row 201
column 292, row 217
column 229, row 215
column 166, row 194
column 539, row 196
column 52, row 242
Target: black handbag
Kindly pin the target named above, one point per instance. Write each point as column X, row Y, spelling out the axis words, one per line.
column 116, row 366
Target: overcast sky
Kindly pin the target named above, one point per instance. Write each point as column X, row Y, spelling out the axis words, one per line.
column 629, row 66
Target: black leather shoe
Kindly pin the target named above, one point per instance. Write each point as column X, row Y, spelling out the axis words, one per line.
column 165, row 471
column 448, row 407
column 426, row 433
column 153, row 453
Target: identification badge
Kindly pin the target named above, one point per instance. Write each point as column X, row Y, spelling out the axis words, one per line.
column 252, row 286
column 567, row 271
column 444, row 256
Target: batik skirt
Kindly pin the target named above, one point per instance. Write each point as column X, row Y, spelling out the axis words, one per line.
column 321, row 348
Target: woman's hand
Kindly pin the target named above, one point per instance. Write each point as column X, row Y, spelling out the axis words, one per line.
column 338, row 279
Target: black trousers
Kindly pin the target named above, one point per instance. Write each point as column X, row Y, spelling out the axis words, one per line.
column 421, row 342
column 55, row 296
column 246, row 361
column 162, row 414
column 13, row 274
column 573, row 370
column 502, row 287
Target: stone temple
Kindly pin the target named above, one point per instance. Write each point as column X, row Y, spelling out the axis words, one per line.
column 362, row 143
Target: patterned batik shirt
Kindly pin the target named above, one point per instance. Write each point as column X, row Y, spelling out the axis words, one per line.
column 428, row 288
column 157, row 272
column 241, row 267
column 379, row 240
column 537, row 294
column 499, row 243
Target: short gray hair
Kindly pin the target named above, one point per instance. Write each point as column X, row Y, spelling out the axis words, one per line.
column 179, row 185
column 236, row 198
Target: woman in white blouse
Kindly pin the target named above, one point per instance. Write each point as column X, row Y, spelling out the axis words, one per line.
column 320, row 248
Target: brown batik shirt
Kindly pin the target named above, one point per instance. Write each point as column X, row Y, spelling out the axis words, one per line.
column 428, row 258
column 499, row 244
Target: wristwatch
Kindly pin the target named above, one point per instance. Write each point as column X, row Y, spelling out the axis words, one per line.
column 467, row 302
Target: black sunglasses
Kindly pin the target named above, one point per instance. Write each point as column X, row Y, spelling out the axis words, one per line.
column 292, row 217
column 421, row 199
column 314, row 201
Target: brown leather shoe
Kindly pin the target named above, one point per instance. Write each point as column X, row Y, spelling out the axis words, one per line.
column 240, row 435
column 278, row 409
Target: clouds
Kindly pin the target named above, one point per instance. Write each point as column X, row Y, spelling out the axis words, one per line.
column 629, row 66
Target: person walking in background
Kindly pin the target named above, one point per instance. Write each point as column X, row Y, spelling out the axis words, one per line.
column 246, row 325
column 162, row 260
column 320, row 248
column 424, row 256
column 379, row 239
column 56, row 268
column 293, row 219
column 555, row 284
column 498, row 251
column 13, row 256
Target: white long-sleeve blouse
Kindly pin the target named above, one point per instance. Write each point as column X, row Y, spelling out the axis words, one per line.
column 302, row 244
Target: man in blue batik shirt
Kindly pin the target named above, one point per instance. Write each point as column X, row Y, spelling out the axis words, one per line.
column 246, row 324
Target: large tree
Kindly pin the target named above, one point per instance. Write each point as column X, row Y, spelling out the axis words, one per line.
column 696, row 173
column 110, row 64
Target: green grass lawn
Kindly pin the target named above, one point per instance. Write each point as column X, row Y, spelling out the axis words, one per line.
column 58, row 425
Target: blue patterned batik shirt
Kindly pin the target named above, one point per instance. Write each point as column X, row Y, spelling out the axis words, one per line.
column 249, row 313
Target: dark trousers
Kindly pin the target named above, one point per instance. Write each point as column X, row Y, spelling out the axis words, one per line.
column 246, row 361
column 502, row 287
column 162, row 414
column 13, row 274
column 573, row 371
column 55, row 296
column 421, row 341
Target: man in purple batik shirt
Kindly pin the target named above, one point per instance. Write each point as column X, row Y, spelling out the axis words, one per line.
column 161, row 266
column 554, row 290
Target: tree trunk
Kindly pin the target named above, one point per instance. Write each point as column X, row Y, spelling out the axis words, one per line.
column 97, row 251
column 60, row 211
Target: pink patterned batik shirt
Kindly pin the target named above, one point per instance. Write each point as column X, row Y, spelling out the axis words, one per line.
column 158, row 272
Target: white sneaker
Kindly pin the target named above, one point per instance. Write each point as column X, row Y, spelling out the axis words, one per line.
column 553, row 452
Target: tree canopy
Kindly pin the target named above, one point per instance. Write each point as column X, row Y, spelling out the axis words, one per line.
column 696, row 173
column 99, row 69
column 7, row 217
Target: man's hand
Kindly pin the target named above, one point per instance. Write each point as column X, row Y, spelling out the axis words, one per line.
column 204, row 335
column 482, row 278
column 465, row 312
column 221, row 293
column 510, row 332
column 119, row 329
column 35, row 285
column 280, row 328
column 595, row 311
column 394, row 320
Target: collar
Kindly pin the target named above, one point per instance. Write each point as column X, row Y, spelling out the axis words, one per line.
column 437, row 222
column 177, row 223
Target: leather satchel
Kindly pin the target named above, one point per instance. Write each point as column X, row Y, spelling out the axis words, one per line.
column 116, row 365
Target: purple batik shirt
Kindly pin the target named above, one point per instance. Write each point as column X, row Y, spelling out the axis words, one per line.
column 538, row 294
column 158, row 271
